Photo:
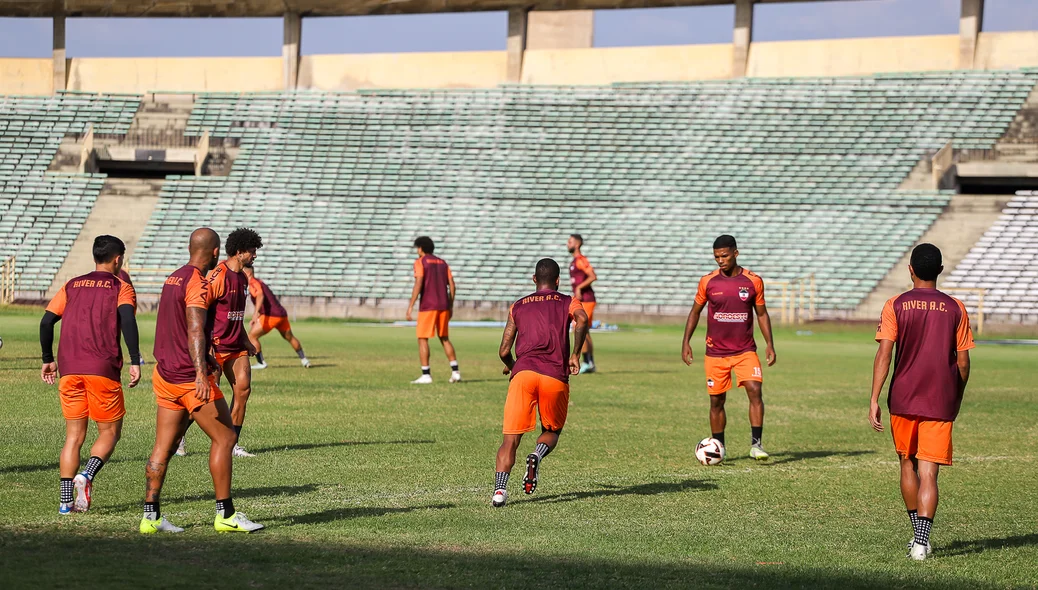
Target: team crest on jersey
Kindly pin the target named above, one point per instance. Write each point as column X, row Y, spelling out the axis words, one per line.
column 744, row 293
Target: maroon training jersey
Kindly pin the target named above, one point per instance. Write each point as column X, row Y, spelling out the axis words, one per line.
column 271, row 305
column 578, row 272
column 185, row 288
column 928, row 329
column 90, row 341
column 435, row 274
column 227, row 293
column 542, row 322
column 729, row 320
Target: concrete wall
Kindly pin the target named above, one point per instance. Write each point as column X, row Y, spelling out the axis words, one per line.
column 25, row 76
column 470, row 69
column 483, row 69
column 560, row 29
column 212, row 74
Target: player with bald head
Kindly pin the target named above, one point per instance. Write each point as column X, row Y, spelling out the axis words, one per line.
column 185, row 384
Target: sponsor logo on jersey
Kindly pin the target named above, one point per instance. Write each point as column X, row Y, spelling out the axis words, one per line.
column 731, row 317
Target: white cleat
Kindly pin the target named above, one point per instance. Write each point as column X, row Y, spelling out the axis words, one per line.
column 259, row 366
column 237, row 523
column 240, row 452
column 919, row 552
column 929, row 549
column 423, row 380
column 181, row 448
column 150, row 527
column 84, row 487
column 758, row 453
column 455, row 377
column 500, row 498
column 305, row 362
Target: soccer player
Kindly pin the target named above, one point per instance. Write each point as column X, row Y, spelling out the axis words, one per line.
column 733, row 293
column 538, row 326
column 931, row 333
column 269, row 315
column 95, row 308
column 228, row 288
column 434, row 281
column 581, row 275
column 186, row 388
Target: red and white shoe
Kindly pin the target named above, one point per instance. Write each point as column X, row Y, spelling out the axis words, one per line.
column 83, row 488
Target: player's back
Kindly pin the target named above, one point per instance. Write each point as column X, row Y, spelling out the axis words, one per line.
column 542, row 333
column 228, row 290
column 435, row 273
column 185, row 288
column 89, row 308
column 928, row 328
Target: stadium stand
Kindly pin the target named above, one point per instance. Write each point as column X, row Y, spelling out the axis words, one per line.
column 41, row 213
column 804, row 171
column 1005, row 262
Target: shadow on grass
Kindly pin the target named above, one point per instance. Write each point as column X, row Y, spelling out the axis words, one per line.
column 238, row 493
column 335, row 514
column 981, row 545
column 67, row 558
column 296, row 447
column 646, row 489
column 782, row 458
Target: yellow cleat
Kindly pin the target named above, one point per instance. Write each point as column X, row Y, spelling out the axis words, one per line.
column 150, row 527
column 236, row 523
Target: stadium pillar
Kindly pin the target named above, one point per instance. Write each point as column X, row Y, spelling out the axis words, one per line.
column 741, row 37
column 290, row 49
column 517, row 21
column 970, row 23
column 59, row 53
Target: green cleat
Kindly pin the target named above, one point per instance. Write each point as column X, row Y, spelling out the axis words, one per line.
column 150, row 527
column 236, row 523
column 757, row 452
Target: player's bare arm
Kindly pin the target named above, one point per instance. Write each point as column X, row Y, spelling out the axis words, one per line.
column 258, row 305
column 690, row 329
column 415, row 292
column 450, row 294
column 49, row 370
column 507, row 341
column 131, row 336
column 580, row 326
column 880, row 368
column 196, row 348
column 962, row 359
column 764, row 321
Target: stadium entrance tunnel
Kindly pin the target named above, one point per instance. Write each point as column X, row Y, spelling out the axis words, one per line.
column 996, row 178
column 144, row 163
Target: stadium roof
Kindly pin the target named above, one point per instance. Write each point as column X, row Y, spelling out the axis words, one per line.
column 270, row 8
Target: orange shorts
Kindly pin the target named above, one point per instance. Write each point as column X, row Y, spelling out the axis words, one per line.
column 589, row 309
column 223, row 357
column 269, row 322
column 929, row 440
column 91, row 396
column 181, row 396
column 433, row 323
column 530, row 391
column 719, row 371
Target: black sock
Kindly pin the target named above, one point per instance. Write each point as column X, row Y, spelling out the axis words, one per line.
column 719, row 436
column 151, row 510
column 237, row 430
column 591, row 357
column 454, row 366
column 501, row 480
column 756, row 434
column 225, row 508
column 426, row 370
column 587, row 357
column 913, row 515
column 542, row 450
column 67, row 488
column 92, row 467
column 259, row 358
column 300, row 353
column 922, row 533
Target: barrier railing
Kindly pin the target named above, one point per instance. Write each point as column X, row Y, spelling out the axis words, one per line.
column 7, row 280
column 971, row 298
column 795, row 298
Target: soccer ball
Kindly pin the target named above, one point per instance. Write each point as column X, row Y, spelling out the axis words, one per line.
column 1, row 342
column 710, row 451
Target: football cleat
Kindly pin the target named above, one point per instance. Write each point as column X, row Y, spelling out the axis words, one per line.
column 423, row 380
column 929, row 549
column 150, row 527
column 757, row 452
column 500, row 498
column 305, row 362
column 533, row 468
column 65, row 508
column 919, row 552
column 83, row 488
column 236, row 523
column 240, row 452
column 259, row 366
column 181, row 448
column 455, row 377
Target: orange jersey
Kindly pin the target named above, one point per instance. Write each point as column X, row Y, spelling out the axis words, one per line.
column 88, row 306
column 185, row 288
column 729, row 320
column 579, row 269
column 227, row 293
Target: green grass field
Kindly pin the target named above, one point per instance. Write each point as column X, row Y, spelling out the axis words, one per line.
column 366, row 481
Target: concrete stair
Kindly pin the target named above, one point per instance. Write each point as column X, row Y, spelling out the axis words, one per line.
column 122, row 209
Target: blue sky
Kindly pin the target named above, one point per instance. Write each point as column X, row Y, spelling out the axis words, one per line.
column 486, row 31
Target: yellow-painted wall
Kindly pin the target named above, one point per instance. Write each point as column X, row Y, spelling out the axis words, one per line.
column 852, row 57
column 463, row 69
column 1007, row 50
column 25, row 76
column 193, row 74
column 627, row 64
